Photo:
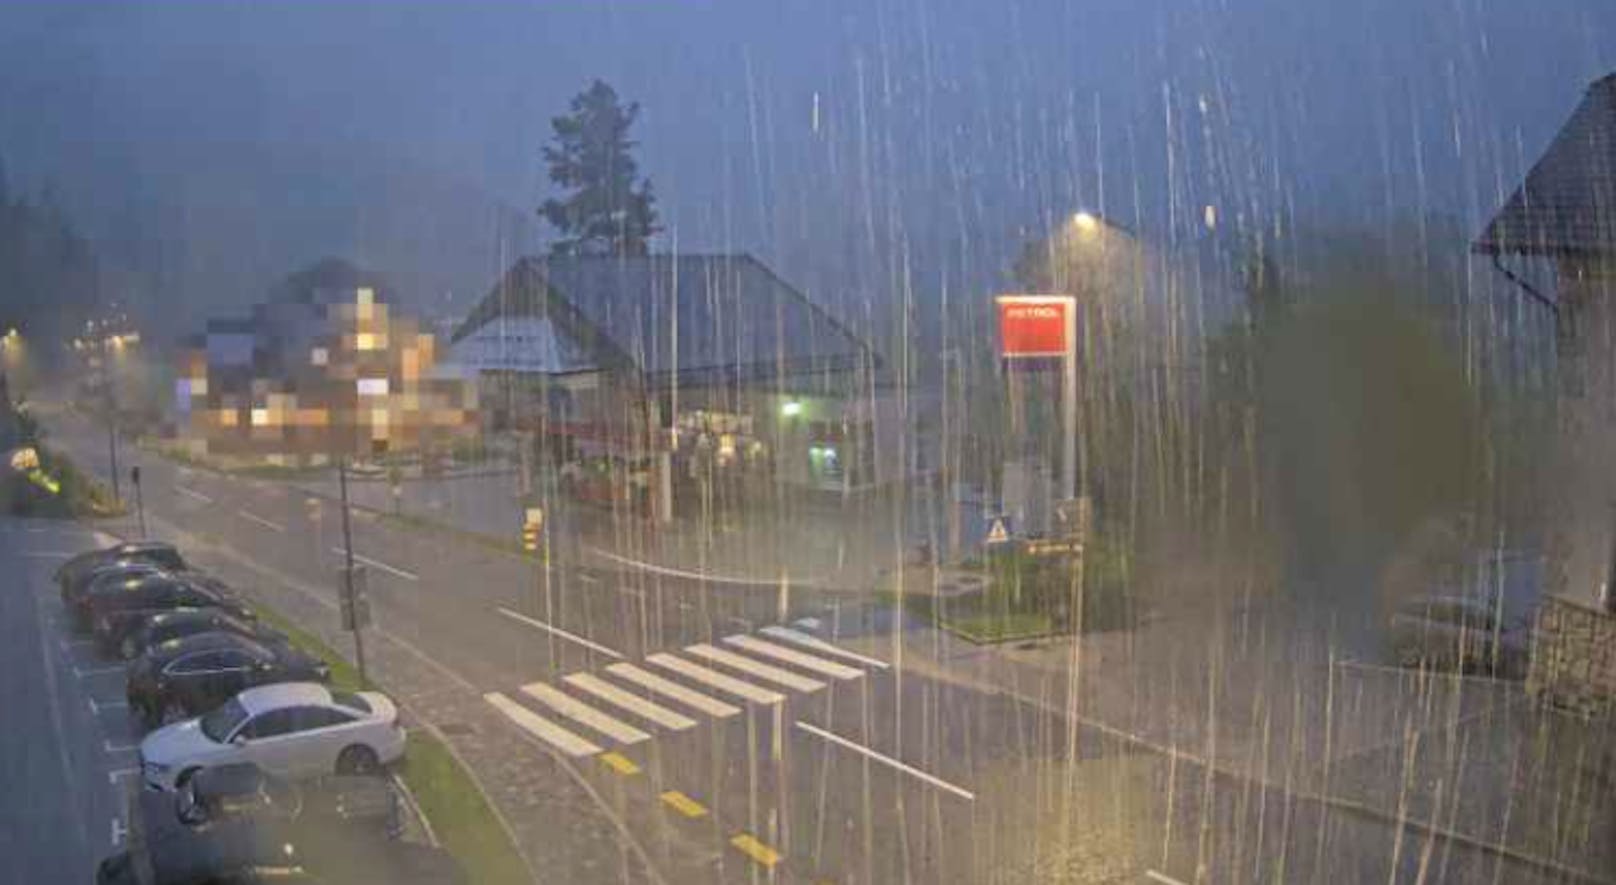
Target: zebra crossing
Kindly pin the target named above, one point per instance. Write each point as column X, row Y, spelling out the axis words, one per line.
column 623, row 704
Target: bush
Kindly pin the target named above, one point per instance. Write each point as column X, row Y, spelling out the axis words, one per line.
column 75, row 493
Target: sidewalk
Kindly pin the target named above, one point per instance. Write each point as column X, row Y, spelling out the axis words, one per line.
column 1469, row 760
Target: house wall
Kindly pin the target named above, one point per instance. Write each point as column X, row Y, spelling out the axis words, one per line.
column 1582, row 536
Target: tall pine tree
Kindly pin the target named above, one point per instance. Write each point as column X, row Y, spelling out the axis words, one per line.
column 607, row 208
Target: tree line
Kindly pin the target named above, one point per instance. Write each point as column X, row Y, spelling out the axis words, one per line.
column 50, row 279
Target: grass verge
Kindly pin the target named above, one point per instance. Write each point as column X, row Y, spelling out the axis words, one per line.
column 460, row 816
column 1007, row 627
column 464, row 823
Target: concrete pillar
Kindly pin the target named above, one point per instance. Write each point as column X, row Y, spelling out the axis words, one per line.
column 1583, row 525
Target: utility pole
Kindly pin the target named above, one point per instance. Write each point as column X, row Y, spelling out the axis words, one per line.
column 112, row 420
column 351, row 601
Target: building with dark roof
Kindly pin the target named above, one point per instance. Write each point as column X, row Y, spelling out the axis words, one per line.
column 708, row 365
column 1566, row 207
column 1564, row 213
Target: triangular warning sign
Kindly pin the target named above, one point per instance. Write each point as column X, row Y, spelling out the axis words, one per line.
column 997, row 533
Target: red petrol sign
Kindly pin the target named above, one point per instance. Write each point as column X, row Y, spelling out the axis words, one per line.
column 1034, row 325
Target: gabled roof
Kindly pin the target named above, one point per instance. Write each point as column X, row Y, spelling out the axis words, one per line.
column 1567, row 205
column 681, row 318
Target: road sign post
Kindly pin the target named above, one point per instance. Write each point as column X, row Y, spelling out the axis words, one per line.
column 140, row 501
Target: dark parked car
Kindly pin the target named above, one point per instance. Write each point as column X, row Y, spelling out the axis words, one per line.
column 1455, row 632
column 118, row 607
column 193, row 675
column 75, row 594
column 75, row 574
column 159, row 628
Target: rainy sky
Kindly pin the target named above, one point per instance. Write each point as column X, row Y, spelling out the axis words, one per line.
column 212, row 146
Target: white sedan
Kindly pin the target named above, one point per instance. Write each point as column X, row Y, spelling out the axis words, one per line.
column 292, row 729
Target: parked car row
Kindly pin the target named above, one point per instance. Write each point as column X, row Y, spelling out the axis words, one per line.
column 253, row 766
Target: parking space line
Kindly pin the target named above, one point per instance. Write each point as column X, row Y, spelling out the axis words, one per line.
column 540, row 727
column 557, row 631
column 578, row 711
column 96, row 671
column 792, row 656
column 761, row 670
column 684, row 804
column 749, row 845
column 817, row 644
column 194, row 494
column 620, row 764
column 253, row 517
column 97, row 706
column 1163, row 878
column 693, row 699
column 119, row 831
column 119, row 748
column 716, row 679
column 888, row 761
column 629, row 701
column 374, row 563
column 113, row 775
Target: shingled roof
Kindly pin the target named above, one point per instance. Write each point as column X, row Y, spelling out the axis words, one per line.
column 1567, row 205
column 681, row 318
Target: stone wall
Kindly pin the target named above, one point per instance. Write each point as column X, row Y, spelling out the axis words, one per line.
column 1574, row 656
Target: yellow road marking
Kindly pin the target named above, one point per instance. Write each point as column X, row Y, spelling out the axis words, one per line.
column 620, row 763
column 684, row 804
column 751, row 847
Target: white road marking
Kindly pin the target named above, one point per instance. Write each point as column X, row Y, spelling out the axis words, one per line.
column 97, row 706
column 817, row 644
column 253, row 517
column 577, row 711
column 1163, row 878
column 557, row 631
column 541, row 728
column 97, row 671
column 113, row 775
column 194, row 494
column 67, row 644
column 693, row 699
column 888, row 761
column 630, row 701
column 119, row 748
column 408, row 576
column 792, row 656
column 700, row 576
column 716, row 679
column 104, row 539
column 119, row 831
column 761, row 670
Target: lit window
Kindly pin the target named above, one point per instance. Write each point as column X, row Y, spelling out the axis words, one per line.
column 260, row 417
column 372, row 386
column 227, row 418
column 320, row 356
column 364, row 341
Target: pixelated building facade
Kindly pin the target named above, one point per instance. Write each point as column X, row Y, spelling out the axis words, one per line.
column 323, row 372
